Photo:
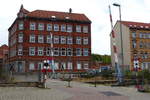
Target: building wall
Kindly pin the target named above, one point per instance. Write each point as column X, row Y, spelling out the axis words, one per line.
column 126, row 46
column 36, row 59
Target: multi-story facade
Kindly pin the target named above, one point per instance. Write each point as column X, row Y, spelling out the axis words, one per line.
column 135, row 43
column 33, row 37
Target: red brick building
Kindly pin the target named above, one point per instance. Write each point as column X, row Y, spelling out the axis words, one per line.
column 34, row 36
column 3, row 55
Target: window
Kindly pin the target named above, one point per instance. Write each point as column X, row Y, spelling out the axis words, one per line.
column 48, row 51
column 63, row 28
column 49, row 39
column 63, row 65
column 40, row 65
column 31, row 51
column 21, row 26
column 49, row 27
column 134, row 44
column 32, row 38
column 70, row 65
column 32, row 26
column 69, row 40
column 78, row 28
column 56, row 39
column 63, row 51
column 63, row 40
column 40, row 39
column 69, row 28
column 56, row 27
column 20, row 51
column 69, row 52
column 78, row 51
column 56, row 51
column 78, row 40
column 40, row 51
column 141, row 44
column 20, row 37
column 79, row 65
column 31, row 66
column 86, row 65
column 85, row 29
column 56, row 65
column 85, row 52
column 141, row 35
column 133, row 35
column 85, row 40
column 40, row 26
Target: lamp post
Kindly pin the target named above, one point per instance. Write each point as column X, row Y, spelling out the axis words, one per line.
column 119, row 72
column 118, row 5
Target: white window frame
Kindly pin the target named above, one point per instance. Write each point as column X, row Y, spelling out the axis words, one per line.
column 31, row 51
column 63, row 28
column 56, row 27
column 40, row 51
column 69, row 52
column 85, row 29
column 78, row 40
column 31, row 66
column 78, row 28
column 20, row 51
column 69, row 28
column 63, row 51
column 20, row 37
column 40, row 64
column 56, row 39
column 48, row 51
column 56, row 50
column 21, row 25
column 64, row 65
column 32, row 38
column 40, row 39
column 41, row 26
column 85, row 40
column 63, row 40
column 49, row 27
column 79, row 65
column 32, row 26
column 48, row 39
column 86, row 65
column 56, row 64
column 70, row 66
column 69, row 40
column 78, row 52
column 85, row 52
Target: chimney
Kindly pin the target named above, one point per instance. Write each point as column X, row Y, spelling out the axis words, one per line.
column 70, row 10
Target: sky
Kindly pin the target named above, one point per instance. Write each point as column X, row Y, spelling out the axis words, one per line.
column 96, row 10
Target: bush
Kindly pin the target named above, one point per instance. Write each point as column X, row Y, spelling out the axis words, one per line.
column 128, row 74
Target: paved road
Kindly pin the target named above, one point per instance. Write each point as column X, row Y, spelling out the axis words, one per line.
column 58, row 90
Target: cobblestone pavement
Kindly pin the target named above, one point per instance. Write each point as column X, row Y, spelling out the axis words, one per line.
column 58, row 90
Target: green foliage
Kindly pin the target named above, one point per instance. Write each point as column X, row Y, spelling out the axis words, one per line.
column 103, row 58
column 144, row 74
column 128, row 74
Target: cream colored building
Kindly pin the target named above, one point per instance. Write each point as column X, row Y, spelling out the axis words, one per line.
column 135, row 43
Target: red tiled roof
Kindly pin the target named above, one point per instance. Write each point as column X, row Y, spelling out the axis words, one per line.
column 136, row 24
column 58, row 15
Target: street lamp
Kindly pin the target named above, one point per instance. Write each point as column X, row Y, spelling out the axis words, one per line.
column 122, row 62
column 118, row 5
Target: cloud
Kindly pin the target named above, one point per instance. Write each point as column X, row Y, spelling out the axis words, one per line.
column 96, row 10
